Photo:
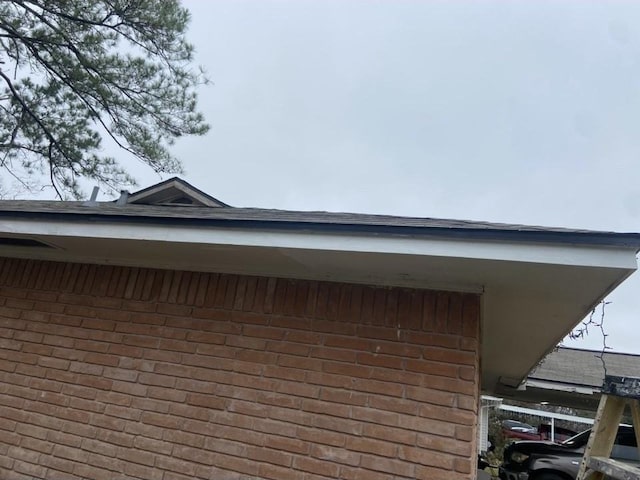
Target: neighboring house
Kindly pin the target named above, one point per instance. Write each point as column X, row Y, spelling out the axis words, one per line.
column 169, row 336
column 574, row 377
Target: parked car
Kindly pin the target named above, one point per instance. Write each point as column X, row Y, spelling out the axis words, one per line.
column 560, row 434
column 517, row 426
column 543, row 432
column 544, row 460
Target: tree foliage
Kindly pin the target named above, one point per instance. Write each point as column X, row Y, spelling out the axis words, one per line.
column 74, row 72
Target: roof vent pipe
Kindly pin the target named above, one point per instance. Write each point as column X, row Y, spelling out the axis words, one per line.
column 124, row 196
column 94, row 194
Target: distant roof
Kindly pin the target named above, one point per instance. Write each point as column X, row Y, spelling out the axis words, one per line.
column 572, row 377
column 584, row 367
column 177, row 202
column 172, row 192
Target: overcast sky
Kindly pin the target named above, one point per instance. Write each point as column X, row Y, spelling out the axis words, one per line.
column 521, row 112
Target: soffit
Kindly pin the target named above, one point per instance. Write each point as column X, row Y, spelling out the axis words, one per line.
column 532, row 294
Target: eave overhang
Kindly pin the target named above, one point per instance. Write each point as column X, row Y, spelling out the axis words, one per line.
column 536, row 284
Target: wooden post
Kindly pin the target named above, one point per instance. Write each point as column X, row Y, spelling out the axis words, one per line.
column 603, row 435
column 635, row 414
column 617, row 392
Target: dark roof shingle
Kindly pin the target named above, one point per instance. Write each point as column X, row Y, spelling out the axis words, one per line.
column 314, row 220
column 585, row 367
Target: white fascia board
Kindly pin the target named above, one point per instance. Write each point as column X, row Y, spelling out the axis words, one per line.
column 560, row 387
column 555, row 254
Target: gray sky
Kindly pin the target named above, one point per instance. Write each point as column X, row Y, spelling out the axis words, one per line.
column 522, row 112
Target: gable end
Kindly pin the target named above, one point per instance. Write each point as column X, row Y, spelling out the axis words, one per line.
column 174, row 192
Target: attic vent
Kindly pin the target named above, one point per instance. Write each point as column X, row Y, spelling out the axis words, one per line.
column 22, row 242
column 174, row 191
column 182, row 201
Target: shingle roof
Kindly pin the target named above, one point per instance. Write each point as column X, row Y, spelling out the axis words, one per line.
column 298, row 220
column 584, row 367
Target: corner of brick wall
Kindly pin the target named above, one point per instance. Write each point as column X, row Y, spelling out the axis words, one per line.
column 114, row 372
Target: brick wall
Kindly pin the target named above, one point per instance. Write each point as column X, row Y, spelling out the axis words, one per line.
column 109, row 372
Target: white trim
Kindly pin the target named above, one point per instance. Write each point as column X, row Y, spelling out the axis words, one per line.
column 542, row 413
column 490, row 401
column 560, row 387
column 571, row 255
column 483, row 428
column 487, row 402
column 139, row 197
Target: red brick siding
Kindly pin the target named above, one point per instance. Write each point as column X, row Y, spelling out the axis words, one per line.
column 110, row 372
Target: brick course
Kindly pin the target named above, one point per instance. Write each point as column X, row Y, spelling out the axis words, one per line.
column 116, row 372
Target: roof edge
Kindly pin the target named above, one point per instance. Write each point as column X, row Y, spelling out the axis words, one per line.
column 519, row 235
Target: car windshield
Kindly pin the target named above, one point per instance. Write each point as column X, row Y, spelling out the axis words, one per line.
column 578, row 440
column 516, row 425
